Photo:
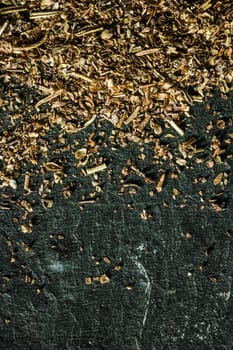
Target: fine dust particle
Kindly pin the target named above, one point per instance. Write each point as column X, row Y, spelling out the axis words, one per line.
column 188, row 235
column 129, row 287
column 213, row 279
column 96, row 278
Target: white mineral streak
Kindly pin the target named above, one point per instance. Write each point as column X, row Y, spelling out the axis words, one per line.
column 147, row 289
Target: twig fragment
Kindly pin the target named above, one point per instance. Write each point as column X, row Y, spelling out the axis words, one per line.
column 18, row 50
column 139, row 173
column 91, row 31
column 43, row 14
column 5, row 24
column 48, row 98
column 159, row 186
column 133, row 115
column 12, row 9
column 96, row 169
column 80, row 76
column 173, row 125
column 147, row 52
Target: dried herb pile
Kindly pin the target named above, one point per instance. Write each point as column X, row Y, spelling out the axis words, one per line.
column 67, row 66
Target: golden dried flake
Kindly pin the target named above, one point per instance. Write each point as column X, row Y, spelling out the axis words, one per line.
column 7, row 321
column 106, row 35
column 156, row 127
column 24, row 215
column 53, row 167
column 145, row 215
column 9, row 243
column 26, row 205
column 217, row 207
column 221, row 124
column 106, row 260
column 104, row 279
column 220, row 179
column 98, row 189
column 175, row 193
column 88, row 280
column 44, row 4
column 125, row 171
column 201, row 267
column 210, row 126
column 188, row 235
column 67, row 193
column 206, row 5
column 213, row 279
column 159, row 186
column 13, row 256
column 47, row 203
column 26, row 228
column 142, row 156
column 13, row 184
column 210, row 163
column 133, row 115
column 228, row 142
column 27, row 279
column 58, row 176
column 216, row 147
column 117, row 267
column 181, row 161
column 80, row 153
column 60, row 237
column 96, row 278
column 144, row 123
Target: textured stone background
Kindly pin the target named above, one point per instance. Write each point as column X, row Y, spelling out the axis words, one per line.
column 172, row 292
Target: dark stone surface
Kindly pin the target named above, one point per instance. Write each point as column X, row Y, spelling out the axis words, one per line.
column 172, row 291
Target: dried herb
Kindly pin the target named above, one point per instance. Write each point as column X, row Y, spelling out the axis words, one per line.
column 138, row 65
